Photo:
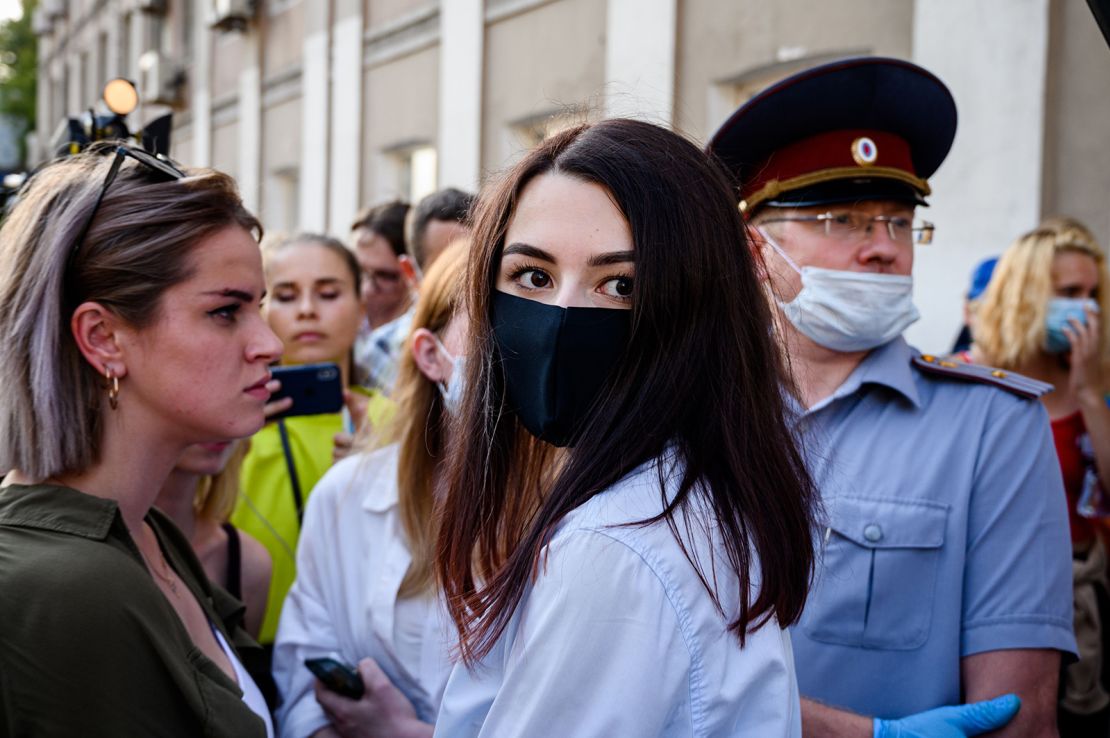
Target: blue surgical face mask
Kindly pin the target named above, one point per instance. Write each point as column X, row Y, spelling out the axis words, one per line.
column 1060, row 312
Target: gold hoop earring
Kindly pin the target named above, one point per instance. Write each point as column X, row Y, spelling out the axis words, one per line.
column 113, row 388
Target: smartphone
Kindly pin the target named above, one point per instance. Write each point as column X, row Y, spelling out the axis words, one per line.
column 316, row 389
column 337, row 676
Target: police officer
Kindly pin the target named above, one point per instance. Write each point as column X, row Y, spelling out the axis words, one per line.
column 945, row 576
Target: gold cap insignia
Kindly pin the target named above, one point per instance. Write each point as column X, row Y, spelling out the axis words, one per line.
column 864, row 151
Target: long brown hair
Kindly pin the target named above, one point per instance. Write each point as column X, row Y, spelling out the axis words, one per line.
column 700, row 375
column 420, row 419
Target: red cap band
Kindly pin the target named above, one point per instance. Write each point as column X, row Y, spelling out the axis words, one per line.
column 834, row 155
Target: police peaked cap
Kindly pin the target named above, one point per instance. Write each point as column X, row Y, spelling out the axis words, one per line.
column 856, row 129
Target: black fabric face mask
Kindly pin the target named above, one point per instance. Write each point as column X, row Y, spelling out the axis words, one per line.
column 556, row 360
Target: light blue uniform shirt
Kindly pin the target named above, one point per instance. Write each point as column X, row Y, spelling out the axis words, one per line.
column 947, row 536
column 618, row 637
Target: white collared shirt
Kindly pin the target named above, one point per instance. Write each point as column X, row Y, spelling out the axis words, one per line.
column 619, row 637
column 350, row 562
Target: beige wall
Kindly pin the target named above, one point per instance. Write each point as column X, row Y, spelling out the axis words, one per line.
column 225, row 148
column 399, row 111
column 545, row 57
column 227, row 62
column 1077, row 150
column 181, row 145
column 284, row 40
column 537, row 63
column 724, row 43
column 281, row 159
column 281, row 125
column 383, row 12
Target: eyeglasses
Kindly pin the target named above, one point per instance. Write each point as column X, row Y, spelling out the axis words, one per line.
column 855, row 228
column 155, row 162
column 381, row 279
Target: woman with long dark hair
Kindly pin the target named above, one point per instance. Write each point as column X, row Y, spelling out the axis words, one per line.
column 627, row 520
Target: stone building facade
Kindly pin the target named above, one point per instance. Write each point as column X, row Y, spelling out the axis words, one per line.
column 318, row 107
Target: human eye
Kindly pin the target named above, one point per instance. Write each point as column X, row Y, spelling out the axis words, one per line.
column 618, row 287
column 283, row 295
column 226, row 313
column 844, row 220
column 530, row 277
column 330, row 294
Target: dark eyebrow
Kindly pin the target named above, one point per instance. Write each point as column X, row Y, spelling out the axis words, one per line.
column 611, row 258
column 525, row 250
column 234, row 293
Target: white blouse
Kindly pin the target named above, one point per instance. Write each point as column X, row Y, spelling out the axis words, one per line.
column 351, row 559
column 619, row 637
column 252, row 695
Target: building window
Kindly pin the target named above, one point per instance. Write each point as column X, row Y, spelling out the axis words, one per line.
column 277, row 7
column 415, row 170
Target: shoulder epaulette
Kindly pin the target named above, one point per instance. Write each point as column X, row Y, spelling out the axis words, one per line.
column 1018, row 384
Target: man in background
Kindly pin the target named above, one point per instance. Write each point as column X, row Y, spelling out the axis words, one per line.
column 945, row 572
column 436, row 221
column 378, row 239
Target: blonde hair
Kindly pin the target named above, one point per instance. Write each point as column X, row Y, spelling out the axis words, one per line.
column 136, row 247
column 421, row 417
column 1010, row 317
column 216, row 494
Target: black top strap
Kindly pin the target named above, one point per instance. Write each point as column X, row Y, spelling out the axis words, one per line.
column 298, row 498
column 234, row 561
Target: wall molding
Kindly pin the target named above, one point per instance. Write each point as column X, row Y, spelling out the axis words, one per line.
column 282, row 86
column 403, row 37
column 499, row 10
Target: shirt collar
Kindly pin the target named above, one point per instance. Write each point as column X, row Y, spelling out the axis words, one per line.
column 55, row 508
column 889, row 365
column 400, row 324
column 381, row 492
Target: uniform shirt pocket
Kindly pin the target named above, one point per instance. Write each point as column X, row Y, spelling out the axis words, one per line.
column 878, row 573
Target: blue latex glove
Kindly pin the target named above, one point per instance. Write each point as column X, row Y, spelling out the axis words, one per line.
column 953, row 721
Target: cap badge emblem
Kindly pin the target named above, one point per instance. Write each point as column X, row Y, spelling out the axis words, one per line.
column 864, row 151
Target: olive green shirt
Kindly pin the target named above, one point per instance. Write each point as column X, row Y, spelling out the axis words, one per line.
column 89, row 645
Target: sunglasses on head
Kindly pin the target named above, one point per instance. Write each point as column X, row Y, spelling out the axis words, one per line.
column 156, row 163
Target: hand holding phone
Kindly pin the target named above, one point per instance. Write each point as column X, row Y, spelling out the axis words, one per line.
column 382, row 706
column 337, row 676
